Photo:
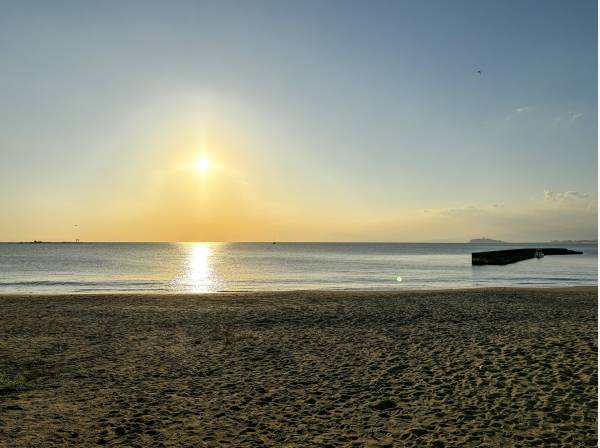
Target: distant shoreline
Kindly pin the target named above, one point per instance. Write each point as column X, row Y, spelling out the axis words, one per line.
column 286, row 293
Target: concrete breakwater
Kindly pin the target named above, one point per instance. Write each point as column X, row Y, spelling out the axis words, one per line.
column 501, row 257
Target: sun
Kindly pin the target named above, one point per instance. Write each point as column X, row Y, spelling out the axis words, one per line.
column 202, row 165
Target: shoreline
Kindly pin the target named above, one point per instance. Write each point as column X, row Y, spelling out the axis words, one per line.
column 366, row 292
column 485, row 367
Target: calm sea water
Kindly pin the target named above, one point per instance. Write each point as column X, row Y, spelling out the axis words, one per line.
column 207, row 267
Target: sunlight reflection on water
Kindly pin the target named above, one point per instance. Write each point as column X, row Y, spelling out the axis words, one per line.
column 198, row 274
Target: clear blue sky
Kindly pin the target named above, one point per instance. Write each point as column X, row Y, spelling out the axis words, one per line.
column 339, row 119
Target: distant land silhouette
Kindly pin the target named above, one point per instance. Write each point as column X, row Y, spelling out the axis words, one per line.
column 486, row 241
column 493, row 241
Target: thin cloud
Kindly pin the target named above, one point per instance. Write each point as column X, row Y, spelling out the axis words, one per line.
column 461, row 211
column 518, row 112
column 470, row 210
column 569, row 117
column 574, row 115
column 523, row 109
column 568, row 199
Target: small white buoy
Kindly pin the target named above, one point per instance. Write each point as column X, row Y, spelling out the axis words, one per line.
column 398, row 279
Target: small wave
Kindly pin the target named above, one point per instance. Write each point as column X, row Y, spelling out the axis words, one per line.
column 77, row 283
column 113, row 289
column 42, row 283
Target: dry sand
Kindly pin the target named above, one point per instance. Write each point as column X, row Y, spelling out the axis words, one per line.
column 499, row 367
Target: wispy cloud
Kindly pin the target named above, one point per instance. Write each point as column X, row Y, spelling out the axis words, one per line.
column 471, row 210
column 575, row 115
column 568, row 117
column 518, row 112
column 462, row 211
column 568, row 199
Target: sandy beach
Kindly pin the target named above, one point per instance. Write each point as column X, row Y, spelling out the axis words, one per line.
column 496, row 367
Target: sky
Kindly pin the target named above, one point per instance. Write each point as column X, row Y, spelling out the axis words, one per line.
column 298, row 120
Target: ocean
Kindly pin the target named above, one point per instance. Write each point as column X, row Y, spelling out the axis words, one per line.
column 211, row 267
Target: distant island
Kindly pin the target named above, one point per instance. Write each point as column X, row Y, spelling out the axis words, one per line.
column 486, row 241
column 492, row 241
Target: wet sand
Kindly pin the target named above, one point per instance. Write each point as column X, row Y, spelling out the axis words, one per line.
column 497, row 367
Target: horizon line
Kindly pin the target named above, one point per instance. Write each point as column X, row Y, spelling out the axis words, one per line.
column 595, row 240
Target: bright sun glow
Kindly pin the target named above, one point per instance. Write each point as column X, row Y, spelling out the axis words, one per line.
column 203, row 165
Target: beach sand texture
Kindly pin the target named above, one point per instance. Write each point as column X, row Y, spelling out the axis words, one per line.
column 498, row 367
